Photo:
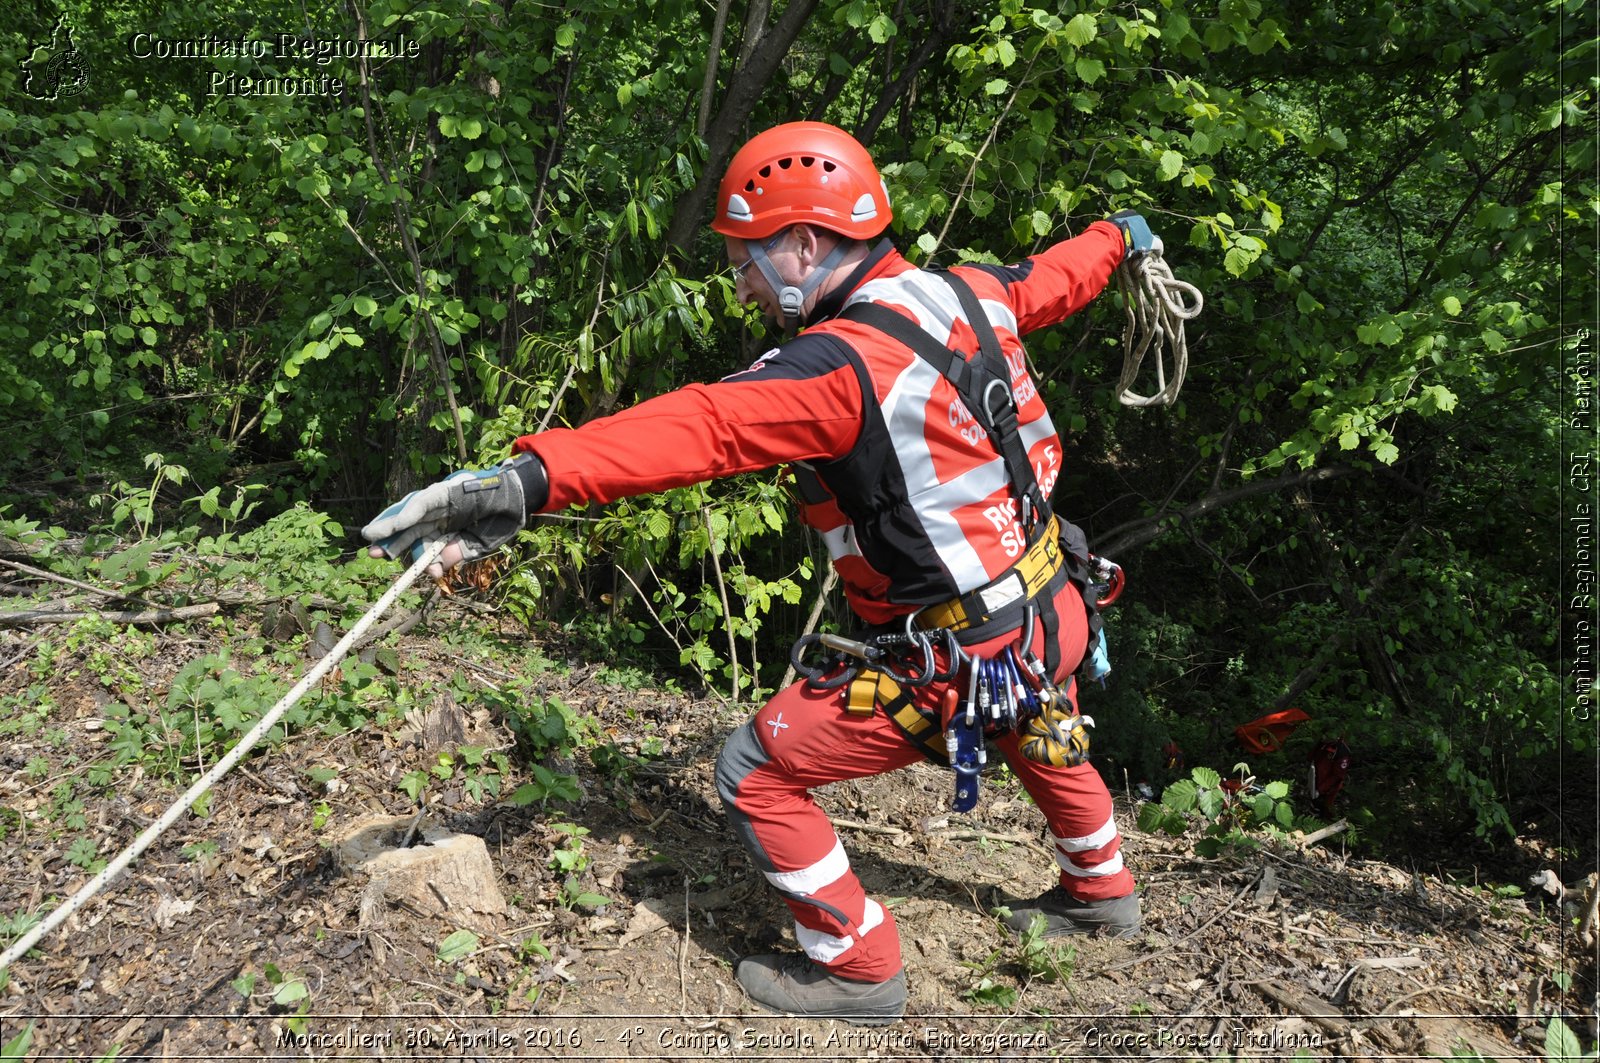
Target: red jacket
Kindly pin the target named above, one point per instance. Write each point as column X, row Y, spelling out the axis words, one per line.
column 909, row 494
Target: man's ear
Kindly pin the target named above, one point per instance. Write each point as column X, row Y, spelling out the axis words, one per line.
column 808, row 243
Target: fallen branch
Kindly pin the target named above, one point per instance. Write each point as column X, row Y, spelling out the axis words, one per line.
column 1326, row 832
column 144, row 618
column 91, row 588
column 1311, row 1007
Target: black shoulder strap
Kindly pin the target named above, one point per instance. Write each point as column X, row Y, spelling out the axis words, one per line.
column 983, row 380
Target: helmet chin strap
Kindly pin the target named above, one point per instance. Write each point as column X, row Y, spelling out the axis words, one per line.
column 791, row 300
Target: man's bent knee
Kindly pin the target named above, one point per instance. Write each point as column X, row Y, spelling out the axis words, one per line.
column 741, row 755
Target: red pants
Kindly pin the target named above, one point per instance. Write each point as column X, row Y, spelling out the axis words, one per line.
column 803, row 739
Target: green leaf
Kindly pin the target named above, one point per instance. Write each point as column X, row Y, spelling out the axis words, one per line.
column 148, row 336
column 17, row 1047
column 997, row 87
column 458, row 945
column 291, row 991
column 1150, row 816
column 1170, row 166
column 1277, row 789
column 1180, row 796
column 1237, row 261
column 364, row 305
column 1081, row 30
column 1436, row 398
column 1386, row 331
column 1089, row 70
column 1560, row 1043
column 1204, row 776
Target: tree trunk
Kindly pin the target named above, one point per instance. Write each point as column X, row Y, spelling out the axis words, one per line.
column 766, row 48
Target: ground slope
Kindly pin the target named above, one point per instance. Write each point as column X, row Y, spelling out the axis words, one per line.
column 246, row 934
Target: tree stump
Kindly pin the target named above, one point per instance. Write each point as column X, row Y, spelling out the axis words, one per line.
column 444, row 874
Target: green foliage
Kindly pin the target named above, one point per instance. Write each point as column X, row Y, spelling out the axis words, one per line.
column 457, row 946
column 1036, row 958
column 570, row 861
column 230, row 313
column 17, row 1047
column 1561, row 1045
column 1227, row 816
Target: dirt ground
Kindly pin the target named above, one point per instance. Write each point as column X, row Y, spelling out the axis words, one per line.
column 1316, row 952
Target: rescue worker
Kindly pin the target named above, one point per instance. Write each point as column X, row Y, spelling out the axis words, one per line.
column 922, row 513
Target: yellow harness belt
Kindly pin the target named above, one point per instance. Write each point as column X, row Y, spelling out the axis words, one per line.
column 1019, row 584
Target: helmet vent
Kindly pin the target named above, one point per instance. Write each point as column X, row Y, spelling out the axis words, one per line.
column 784, row 164
column 806, row 160
column 765, row 171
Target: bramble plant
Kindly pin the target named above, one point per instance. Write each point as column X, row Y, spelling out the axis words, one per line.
column 1231, row 814
column 1039, row 959
column 570, row 860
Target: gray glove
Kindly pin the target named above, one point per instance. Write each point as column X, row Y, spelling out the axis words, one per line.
column 476, row 511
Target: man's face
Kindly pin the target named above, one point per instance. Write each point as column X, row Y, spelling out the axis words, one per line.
column 750, row 284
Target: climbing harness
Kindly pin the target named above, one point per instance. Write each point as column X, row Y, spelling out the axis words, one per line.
column 1007, row 691
column 1156, row 305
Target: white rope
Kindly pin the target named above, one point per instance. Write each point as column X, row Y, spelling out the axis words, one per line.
column 226, row 764
column 1157, row 304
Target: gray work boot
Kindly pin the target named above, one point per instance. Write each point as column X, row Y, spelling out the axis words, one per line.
column 793, row 985
column 1063, row 914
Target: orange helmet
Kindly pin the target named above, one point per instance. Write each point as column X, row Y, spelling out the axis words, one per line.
column 802, row 173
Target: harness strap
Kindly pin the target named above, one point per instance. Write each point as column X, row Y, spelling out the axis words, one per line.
column 983, row 380
column 872, row 689
column 1002, row 597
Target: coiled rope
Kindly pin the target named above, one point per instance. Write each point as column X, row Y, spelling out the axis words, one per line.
column 226, row 764
column 1156, row 305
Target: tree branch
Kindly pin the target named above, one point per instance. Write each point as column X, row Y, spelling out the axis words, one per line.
column 1137, row 533
column 931, row 44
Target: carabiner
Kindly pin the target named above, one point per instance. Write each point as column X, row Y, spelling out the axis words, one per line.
column 815, row 675
column 1107, row 574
